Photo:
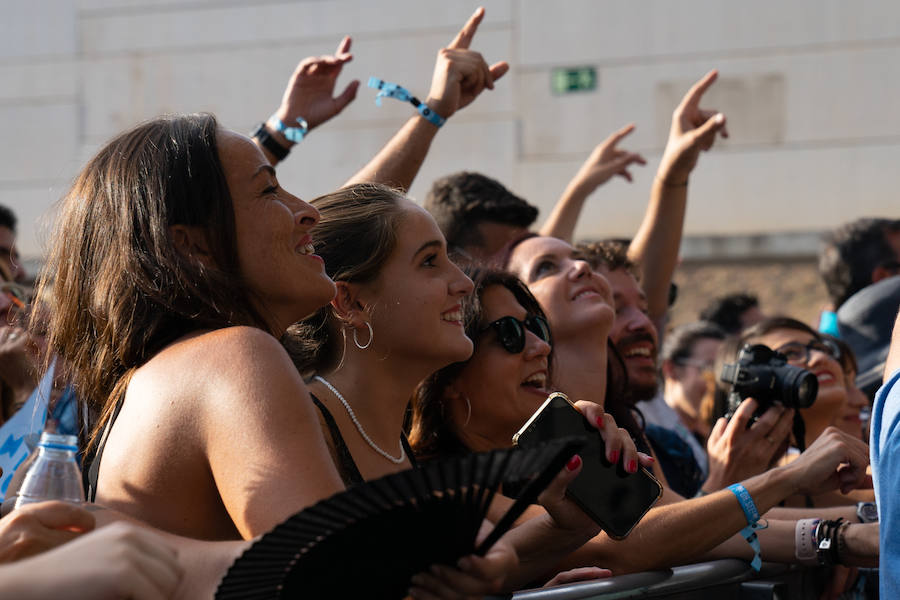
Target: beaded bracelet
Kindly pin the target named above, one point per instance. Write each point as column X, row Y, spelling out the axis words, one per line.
column 752, row 515
column 392, row 90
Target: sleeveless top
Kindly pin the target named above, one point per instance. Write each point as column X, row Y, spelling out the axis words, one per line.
column 343, row 460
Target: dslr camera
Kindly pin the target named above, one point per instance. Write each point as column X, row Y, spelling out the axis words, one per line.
column 765, row 375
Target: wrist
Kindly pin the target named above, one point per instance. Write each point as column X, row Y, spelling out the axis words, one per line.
column 673, row 181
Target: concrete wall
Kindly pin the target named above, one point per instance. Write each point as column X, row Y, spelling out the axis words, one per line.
column 811, row 90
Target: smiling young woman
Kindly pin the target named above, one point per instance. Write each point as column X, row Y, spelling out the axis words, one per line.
column 168, row 287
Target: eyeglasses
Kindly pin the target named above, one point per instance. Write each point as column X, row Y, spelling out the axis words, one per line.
column 701, row 365
column 796, row 352
column 511, row 331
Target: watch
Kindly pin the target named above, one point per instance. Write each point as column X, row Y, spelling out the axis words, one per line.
column 265, row 138
column 867, row 512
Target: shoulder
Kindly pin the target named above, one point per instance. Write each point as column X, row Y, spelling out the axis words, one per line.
column 221, row 368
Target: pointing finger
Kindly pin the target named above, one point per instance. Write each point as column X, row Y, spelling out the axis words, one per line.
column 692, row 98
column 464, row 38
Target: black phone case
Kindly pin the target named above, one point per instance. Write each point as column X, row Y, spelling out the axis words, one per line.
column 614, row 499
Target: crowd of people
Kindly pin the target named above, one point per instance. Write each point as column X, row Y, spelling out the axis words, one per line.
column 229, row 354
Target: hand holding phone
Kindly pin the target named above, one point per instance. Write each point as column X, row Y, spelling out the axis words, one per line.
column 613, row 498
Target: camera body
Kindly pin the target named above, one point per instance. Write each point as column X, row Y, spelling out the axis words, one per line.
column 765, row 375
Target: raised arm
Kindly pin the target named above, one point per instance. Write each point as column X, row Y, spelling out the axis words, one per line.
column 604, row 162
column 460, row 75
column 656, row 243
column 310, row 95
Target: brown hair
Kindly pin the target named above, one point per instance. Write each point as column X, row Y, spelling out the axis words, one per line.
column 118, row 289
column 432, row 434
column 356, row 234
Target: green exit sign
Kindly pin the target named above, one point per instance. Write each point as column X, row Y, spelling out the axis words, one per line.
column 564, row 80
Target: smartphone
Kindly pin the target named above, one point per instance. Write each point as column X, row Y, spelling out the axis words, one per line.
column 614, row 499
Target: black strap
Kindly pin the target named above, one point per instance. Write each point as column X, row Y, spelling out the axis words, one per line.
column 94, row 469
column 349, row 471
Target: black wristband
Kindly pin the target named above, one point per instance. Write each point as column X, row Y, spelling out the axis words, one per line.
column 268, row 142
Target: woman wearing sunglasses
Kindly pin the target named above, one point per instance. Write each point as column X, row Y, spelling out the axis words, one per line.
column 481, row 403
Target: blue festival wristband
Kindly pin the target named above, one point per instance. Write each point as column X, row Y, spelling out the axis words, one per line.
column 294, row 134
column 751, row 513
column 392, row 90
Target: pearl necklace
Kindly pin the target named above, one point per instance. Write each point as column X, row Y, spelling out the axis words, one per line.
column 359, row 427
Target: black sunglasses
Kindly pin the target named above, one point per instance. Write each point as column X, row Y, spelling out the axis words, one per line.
column 511, row 331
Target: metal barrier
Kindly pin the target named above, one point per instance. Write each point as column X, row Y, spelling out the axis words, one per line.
column 729, row 578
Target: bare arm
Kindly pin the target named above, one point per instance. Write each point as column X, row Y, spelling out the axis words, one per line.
column 309, row 95
column 604, row 162
column 460, row 75
column 682, row 531
column 263, row 440
column 656, row 243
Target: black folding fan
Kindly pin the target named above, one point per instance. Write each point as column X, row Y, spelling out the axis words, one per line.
column 368, row 541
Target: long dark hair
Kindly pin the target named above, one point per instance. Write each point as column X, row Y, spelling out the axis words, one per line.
column 432, row 432
column 117, row 288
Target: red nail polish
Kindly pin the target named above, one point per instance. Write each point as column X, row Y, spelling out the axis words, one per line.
column 600, row 422
column 614, row 457
column 573, row 463
column 632, row 466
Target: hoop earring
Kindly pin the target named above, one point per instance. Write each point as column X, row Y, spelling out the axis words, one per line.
column 468, row 411
column 367, row 344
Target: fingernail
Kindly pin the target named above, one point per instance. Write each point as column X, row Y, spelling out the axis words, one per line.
column 632, row 466
column 573, row 464
column 720, row 118
column 465, row 563
column 600, row 421
column 614, row 457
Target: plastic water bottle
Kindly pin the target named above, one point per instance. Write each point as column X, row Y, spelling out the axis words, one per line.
column 54, row 474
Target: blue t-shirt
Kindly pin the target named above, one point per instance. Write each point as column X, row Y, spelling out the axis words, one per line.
column 884, row 445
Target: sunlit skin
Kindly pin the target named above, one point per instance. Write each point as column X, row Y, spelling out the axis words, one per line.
column 414, row 307
column 578, row 305
column 273, row 236
column 503, row 389
column 633, row 333
column 832, row 396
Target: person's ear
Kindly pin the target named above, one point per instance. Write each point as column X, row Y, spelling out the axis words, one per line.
column 347, row 305
column 190, row 241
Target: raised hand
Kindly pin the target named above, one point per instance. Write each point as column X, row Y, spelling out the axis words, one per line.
column 310, row 91
column 737, row 452
column 693, row 129
column 607, row 160
column 460, row 74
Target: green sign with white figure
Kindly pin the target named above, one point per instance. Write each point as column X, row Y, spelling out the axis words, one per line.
column 564, row 80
